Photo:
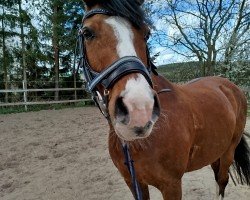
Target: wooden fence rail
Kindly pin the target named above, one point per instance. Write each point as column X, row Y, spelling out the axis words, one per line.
column 25, row 94
column 41, row 90
column 26, row 103
column 246, row 89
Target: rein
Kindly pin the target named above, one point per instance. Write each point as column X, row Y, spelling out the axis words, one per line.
column 130, row 165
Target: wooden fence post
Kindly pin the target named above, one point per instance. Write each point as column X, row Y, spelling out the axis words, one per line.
column 25, row 96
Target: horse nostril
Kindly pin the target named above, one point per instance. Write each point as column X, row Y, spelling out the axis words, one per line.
column 121, row 111
column 156, row 109
column 139, row 131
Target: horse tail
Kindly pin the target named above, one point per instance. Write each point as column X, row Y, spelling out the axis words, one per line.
column 242, row 161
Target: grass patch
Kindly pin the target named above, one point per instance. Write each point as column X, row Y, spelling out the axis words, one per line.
column 34, row 108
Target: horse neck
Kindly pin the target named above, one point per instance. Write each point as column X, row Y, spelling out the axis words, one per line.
column 161, row 83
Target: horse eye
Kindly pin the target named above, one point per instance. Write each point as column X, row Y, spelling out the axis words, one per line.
column 88, row 34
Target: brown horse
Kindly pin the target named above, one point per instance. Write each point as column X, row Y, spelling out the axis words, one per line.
column 169, row 133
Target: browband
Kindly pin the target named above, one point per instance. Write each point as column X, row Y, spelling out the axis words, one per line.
column 96, row 11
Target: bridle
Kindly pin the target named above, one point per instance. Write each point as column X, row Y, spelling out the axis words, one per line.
column 112, row 73
column 107, row 78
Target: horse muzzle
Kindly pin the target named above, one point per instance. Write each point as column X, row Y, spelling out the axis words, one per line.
column 136, row 110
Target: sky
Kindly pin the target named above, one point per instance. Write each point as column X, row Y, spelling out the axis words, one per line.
column 191, row 23
column 165, row 55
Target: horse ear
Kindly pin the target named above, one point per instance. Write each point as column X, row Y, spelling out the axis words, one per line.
column 140, row 2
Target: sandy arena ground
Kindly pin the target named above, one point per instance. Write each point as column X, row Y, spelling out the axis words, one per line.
column 63, row 155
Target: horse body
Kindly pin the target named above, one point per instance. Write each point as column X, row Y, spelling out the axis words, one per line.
column 168, row 133
column 219, row 117
column 202, row 123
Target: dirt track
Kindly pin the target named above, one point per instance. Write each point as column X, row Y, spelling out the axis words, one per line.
column 63, row 155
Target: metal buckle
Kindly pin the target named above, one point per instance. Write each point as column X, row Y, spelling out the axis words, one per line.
column 106, row 92
column 101, row 104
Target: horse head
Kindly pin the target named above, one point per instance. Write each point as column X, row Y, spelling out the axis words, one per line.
column 116, row 64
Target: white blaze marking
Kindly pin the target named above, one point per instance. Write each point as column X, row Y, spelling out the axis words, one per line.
column 124, row 35
column 137, row 94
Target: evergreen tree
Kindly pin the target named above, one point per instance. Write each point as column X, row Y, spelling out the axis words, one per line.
column 8, row 22
column 62, row 19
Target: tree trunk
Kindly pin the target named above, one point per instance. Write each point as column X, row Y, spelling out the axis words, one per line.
column 208, row 62
column 23, row 63
column 74, row 74
column 4, row 59
column 56, row 49
column 202, row 67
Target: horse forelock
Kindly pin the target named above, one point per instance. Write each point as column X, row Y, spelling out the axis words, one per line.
column 128, row 9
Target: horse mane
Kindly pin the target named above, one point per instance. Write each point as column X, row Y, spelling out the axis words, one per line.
column 128, row 9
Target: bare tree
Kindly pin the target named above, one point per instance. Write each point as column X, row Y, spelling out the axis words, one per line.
column 206, row 30
column 240, row 34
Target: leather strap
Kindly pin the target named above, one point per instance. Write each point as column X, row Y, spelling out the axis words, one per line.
column 118, row 69
column 95, row 12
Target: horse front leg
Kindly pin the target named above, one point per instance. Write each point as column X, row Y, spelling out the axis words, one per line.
column 143, row 187
column 171, row 190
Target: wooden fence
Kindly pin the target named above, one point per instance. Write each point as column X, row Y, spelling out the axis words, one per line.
column 26, row 102
column 26, row 91
column 246, row 90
